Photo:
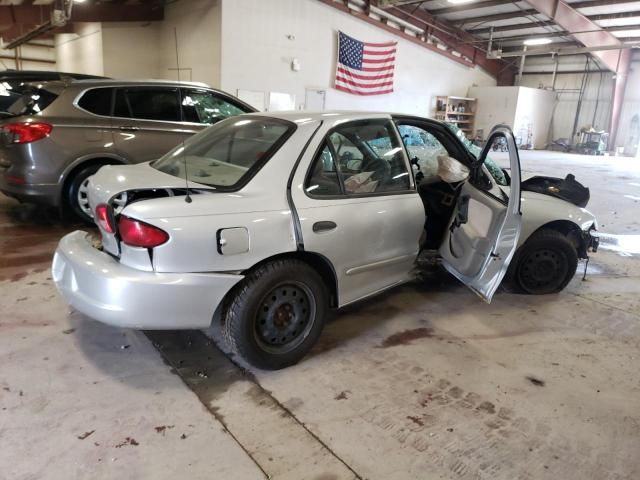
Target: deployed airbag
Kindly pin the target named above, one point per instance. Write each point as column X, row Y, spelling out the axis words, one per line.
column 567, row 189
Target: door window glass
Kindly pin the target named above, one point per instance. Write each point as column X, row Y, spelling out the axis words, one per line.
column 324, row 176
column 201, row 106
column 97, row 101
column 154, row 104
column 424, row 147
column 120, row 106
column 370, row 159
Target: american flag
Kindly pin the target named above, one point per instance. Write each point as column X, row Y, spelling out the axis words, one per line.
column 365, row 68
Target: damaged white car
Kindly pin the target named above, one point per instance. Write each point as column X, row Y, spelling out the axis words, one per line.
column 269, row 220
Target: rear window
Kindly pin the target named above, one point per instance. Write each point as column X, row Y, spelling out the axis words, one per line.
column 97, row 101
column 229, row 153
column 32, row 101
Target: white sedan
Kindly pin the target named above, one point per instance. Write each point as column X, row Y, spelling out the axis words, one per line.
column 269, row 220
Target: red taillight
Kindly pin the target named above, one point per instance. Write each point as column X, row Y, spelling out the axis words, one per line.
column 104, row 218
column 27, row 132
column 15, row 180
column 139, row 234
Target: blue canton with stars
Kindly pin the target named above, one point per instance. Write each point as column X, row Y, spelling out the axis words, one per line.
column 350, row 52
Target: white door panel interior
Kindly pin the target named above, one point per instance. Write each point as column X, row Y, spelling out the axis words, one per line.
column 484, row 230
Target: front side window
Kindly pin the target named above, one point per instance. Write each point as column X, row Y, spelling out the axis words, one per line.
column 202, row 106
column 148, row 104
column 227, row 154
column 363, row 157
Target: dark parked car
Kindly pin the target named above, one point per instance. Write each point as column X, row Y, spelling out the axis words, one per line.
column 13, row 83
column 61, row 133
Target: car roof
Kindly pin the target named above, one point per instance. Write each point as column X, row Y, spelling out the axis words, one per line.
column 106, row 82
column 298, row 116
column 10, row 74
column 338, row 116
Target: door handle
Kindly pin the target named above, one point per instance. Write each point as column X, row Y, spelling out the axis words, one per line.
column 324, row 226
column 128, row 128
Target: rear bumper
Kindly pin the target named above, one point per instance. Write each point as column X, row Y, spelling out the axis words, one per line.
column 42, row 193
column 99, row 286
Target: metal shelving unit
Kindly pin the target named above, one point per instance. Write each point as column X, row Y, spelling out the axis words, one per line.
column 457, row 110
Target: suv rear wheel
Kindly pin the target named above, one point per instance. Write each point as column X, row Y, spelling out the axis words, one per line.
column 76, row 196
column 276, row 314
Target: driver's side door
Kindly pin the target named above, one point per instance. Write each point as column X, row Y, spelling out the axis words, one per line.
column 484, row 229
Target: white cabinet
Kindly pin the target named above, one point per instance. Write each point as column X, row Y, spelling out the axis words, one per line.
column 527, row 111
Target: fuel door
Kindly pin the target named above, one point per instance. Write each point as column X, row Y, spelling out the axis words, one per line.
column 232, row 241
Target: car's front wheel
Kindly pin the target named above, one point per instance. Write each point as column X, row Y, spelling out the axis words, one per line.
column 544, row 264
column 276, row 314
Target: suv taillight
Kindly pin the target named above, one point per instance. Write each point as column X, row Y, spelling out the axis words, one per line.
column 27, row 132
column 139, row 234
column 104, row 218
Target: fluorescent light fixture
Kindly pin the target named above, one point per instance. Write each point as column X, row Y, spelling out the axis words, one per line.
column 460, row 2
column 537, row 41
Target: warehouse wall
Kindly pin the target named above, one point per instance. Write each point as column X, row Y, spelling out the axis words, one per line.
column 260, row 39
column 129, row 50
column 628, row 129
column 197, row 23
column 81, row 52
column 35, row 52
column 595, row 109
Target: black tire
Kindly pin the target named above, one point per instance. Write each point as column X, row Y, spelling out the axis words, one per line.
column 545, row 264
column 74, row 191
column 276, row 314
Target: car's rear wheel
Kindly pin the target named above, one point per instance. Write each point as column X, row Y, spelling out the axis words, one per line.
column 77, row 198
column 546, row 263
column 276, row 314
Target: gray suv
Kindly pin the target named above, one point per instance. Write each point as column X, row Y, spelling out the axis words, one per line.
column 58, row 134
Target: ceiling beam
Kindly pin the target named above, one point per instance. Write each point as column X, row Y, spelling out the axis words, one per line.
column 519, row 26
column 566, row 33
column 397, row 3
column 533, row 11
column 469, row 6
column 591, row 35
column 513, row 26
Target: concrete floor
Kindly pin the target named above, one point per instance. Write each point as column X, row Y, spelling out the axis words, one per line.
column 424, row 381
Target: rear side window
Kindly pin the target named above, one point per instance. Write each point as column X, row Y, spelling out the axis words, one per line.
column 202, row 106
column 97, row 101
column 32, row 101
column 148, row 104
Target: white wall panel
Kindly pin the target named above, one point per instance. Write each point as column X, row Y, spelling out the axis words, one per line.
column 129, row 50
column 261, row 38
column 81, row 52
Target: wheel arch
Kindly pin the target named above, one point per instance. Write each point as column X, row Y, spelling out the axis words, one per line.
column 318, row 262
column 569, row 229
column 67, row 176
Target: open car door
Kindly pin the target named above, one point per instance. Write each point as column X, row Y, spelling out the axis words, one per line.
column 485, row 226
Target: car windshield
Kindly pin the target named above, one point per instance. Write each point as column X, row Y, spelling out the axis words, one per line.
column 495, row 171
column 227, row 154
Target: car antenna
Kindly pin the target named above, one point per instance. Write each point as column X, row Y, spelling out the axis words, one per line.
column 187, row 197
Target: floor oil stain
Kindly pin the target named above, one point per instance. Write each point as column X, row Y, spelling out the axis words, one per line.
column 406, row 337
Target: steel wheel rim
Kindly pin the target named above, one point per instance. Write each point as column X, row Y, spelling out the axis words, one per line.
column 543, row 269
column 83, row 198
column 284, row 317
